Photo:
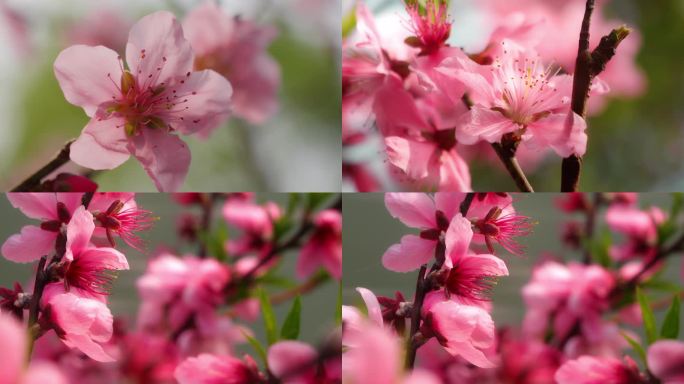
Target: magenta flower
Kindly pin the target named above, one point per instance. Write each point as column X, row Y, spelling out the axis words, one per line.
column 666, row 361
column 118, row 214
column 463, row 330
column 324, row 247
column 210, row 369
column 517, row 95
column 432, row 27
column 598, row 370
column 53, row 210
column 237, row 49
column 137, row 111
column 640, row 227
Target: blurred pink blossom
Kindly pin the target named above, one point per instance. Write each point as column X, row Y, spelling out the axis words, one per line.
column 324, row 247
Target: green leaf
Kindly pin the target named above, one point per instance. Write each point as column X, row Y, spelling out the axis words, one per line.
column 276, row 281
column 647, row 314
column 670, row 329
column 316, row 199
column 290, row 330
column 260, row 350
column 216, row 242
column 599, row 249
column 338, row 310
column 677, row 204
column 269, row 317
column 662, row 285
column 292, row 203
column 636, row 346
column 349, row 22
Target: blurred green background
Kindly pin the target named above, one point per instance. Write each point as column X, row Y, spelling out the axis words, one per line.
column 318, row 307
column 634, row 144
column 297, row 150
column 369, row 230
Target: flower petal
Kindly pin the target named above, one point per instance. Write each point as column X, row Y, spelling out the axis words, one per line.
column 564, row 133
column 79, row 231
column 414, row 209
column 108, row 257
column 396, row 112
column 157, row 41
column 483, row 124
column 409, row 255
column 86, row 345
column 29, row 245
column 470, row 354
column 88, row 76
column 454, row 174
column 412, row 157
column 372, row 305
column 165, row 157
column 457, row 240
column 102, row 145
column 208, row 105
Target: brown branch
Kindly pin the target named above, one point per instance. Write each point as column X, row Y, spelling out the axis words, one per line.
column 590, row 224
column 33, row 182
column 506, row 154
column 205, row 224
column 423, row 287
column 587, row 66
column 34, row 305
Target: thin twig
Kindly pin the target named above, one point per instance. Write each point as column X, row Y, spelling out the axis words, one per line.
column 590, row 224
column 33, row 181
column 587, row 66
column 205, row 224
column 34, row 306
column 507, row 157
column 306, row 287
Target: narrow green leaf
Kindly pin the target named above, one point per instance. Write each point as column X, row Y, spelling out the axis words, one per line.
column 661, row 285
column 636, row 346
column 290, row 330
column 292, row 203
column 316, row 199
column 647, row 314
column 349, row 22
column 269, row 317
column 338, row 310
column 670, row 329
column 260, row 350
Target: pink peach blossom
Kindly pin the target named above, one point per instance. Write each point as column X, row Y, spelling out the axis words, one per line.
column 82, row 320
column 139, row 110
column 517, row 95
column 14, row 343
column 420, row 137
column 598, row 370
column 210, row 369
column 640, row 228
column 324, row 247
column 296, row 362
column 666, row 361
column 237, row 49
column 256, row 222
column 463, row 330
column 53, row 210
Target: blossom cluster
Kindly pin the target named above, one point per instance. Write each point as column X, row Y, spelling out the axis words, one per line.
column 583, row 316
column 433, row 107
column 196, row 307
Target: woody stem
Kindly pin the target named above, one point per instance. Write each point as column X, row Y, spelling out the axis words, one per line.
column 33, row 182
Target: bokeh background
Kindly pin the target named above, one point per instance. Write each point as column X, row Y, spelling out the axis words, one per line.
column 634, row 144
column 318, row 307
column 297, row 150
column 369, row 230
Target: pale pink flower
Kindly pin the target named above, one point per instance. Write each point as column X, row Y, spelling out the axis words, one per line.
column 256, row 222
column 90, row 30
column 324, row 247
column 237, row 49
column 420, row 137
column 666, row 361
column 463, row 330
column 211, row 369
column 14, row 343
column 139, row 110
column 598, row 370
column 53, row 210
column 374, row 357
column 80, row 319
column 518, row 95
